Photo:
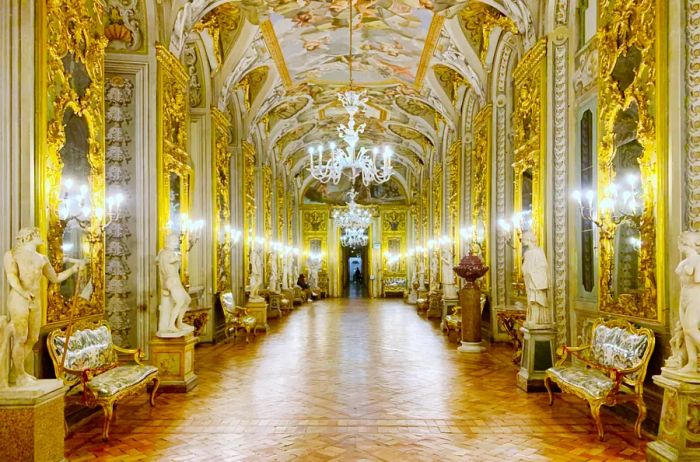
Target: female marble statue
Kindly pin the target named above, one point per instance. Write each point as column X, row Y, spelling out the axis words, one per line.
column 24, row 267
column 688, row 272
column 314, row 267
column 434, row 269
column 536, row 278
column 272, row 286
column 256, row 270
column 174, row 299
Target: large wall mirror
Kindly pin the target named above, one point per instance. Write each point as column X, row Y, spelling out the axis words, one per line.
column 70, row 159
column 529, row 125
column 632, row 150
column 173, row 161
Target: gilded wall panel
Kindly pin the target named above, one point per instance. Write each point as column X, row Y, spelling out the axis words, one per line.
column 393, row 241
column 173, row 160
column 249, row 230
column 70, row 137
column 632, row 82
column 529, row 127
column 221, row 228
column 454, row 198
column 314, row 232
column 481, row 184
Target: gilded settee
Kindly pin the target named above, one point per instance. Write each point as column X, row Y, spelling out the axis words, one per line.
column 607, row 371
column 236, row 317
column 93, row 371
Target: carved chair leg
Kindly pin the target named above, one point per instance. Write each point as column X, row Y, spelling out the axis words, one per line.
column 154, row 389
column 548, row 386
column 642, row 408
column 595, row 412
column 108, row 411
column 247, row 334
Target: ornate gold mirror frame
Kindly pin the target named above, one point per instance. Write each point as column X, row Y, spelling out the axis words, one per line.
column 393, row 240
column 454, row 198
column 70, row 50
column 481, row 184
column 315, row 229
column 222, row 202
column 249, row 228
column 530, row 127
column 436, row 201
column 173, row 161
column 633, row 80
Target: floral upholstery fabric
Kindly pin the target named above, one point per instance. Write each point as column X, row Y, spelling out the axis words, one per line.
column 120, row 378
column 87, row 349
column 617, row 348
column 591, row 381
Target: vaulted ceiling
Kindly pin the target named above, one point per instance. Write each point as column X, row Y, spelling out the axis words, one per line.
column 282, row 63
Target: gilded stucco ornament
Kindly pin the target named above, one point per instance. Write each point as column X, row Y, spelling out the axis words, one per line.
column 222, row 201
column 630, row 88
column 72, row 63
column 692, row 123
column 123, row 25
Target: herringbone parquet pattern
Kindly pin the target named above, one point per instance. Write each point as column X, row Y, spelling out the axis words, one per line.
column 354, row 380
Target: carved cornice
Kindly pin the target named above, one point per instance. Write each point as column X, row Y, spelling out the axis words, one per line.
column 431, row 42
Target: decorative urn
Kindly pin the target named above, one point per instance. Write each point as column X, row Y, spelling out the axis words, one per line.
column 471, row 268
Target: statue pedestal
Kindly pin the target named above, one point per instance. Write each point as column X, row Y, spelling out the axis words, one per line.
column 470, row 301
column 258, row 309
column 679, row 428
column 412, row 297
column 174, row 358
column 538, row 356
column 32, row 422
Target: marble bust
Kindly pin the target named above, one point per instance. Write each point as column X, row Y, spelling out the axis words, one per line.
column 686, row 339
column 174, row 299
column 536, row 278
column 24, row 268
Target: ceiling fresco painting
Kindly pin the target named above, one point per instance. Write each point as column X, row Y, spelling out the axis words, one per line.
column 390, row 192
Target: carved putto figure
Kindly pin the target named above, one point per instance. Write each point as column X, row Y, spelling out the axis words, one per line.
column 688, row 271
column 174, row 299
column 536, row 278
column 24, row 267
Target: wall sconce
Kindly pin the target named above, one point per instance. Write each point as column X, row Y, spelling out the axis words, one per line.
column 190, row 230
column 514, row 227
column 621, row 203
column 75, row 207
column 474, row 238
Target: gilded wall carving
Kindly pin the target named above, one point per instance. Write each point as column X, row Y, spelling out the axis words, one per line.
column 630, row 88
column 586, row 73
column 481, row 181
column 393, row 240
column 222, row 201
column 454, row 202
column 123, row 25
column 529, row 127
column 249, row 230
column 71, row 122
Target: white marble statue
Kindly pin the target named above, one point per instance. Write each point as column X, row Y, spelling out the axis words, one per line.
column 24, row 267
column 256, row 271
column 272, row 285
column 434, row 262
column 314, row 267
column 447, row 256
column 7, row 332
column 688, row 271
column 536, row 278
column 174, row 299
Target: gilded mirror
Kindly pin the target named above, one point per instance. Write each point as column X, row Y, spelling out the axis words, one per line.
column 70, row 153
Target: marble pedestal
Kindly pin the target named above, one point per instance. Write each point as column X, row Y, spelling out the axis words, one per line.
column 258, row 309
column 174, row 358
column 679, row 428
column 32, row 422
column 538, row 356
column 470, row 301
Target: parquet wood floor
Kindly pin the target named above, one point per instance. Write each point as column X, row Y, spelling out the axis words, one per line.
column 354, row 380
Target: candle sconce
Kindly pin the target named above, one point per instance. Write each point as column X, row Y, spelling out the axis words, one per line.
column 622, row 203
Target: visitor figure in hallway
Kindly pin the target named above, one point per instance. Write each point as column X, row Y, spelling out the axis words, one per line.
column 357, row 276
column 536, row 278
column 174, row 299
column 301, row 282
column 688, row 272
column 24, row 267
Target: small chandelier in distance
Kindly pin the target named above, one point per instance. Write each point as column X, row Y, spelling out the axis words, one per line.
column 353, row 237
column 354, row 216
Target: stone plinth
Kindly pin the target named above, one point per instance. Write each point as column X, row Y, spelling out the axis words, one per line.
column 258, row 309
column 470, row 301
column 32, row 422
column 174, row 358
column 538, row 356
column 679, row 428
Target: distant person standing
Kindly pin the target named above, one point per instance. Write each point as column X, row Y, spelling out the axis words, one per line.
column 357, row 276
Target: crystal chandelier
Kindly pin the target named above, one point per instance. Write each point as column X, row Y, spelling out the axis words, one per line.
column 347, row 161
column 354, row 216
column 353, row 237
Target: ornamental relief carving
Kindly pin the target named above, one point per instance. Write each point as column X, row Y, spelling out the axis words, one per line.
column 586, row 69
column 692, row 86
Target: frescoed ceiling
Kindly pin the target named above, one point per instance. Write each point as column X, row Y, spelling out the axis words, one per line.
column 414, row 71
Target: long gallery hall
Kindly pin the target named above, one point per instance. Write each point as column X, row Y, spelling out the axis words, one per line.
column 349, row 230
